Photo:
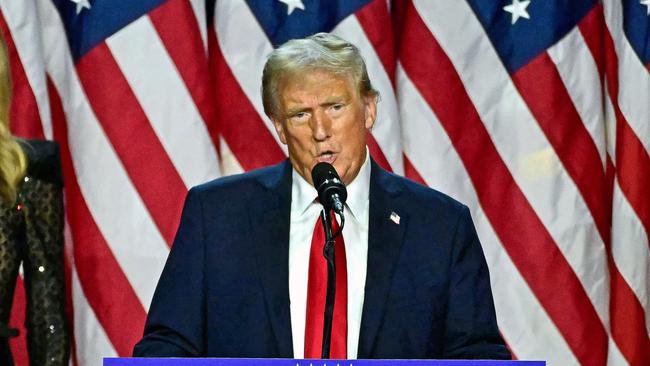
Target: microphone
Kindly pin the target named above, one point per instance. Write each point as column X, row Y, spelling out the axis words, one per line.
column 331, row 190
column 332, row 195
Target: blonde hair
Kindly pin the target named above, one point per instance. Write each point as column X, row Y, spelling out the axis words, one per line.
column 13, row 163
column 321, row 51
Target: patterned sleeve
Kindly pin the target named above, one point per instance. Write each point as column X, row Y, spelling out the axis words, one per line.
column 10, row 257
column 47, row 329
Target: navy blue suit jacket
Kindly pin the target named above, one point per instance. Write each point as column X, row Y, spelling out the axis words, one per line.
column 224, row 291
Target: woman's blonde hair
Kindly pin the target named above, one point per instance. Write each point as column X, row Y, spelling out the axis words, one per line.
column 13, row 162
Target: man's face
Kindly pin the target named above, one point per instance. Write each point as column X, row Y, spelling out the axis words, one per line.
column 322, row 117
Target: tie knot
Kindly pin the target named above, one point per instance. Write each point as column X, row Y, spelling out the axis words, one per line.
column 331, row 211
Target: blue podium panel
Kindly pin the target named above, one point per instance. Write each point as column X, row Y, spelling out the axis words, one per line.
column 292, row 362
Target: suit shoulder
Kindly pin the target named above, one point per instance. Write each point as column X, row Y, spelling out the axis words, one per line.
column 237, row 184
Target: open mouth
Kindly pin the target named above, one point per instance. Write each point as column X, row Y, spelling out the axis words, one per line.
column 327, row 157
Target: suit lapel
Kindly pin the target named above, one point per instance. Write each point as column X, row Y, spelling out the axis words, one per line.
column 270, row 220
column 270, row 235
column 385, row 236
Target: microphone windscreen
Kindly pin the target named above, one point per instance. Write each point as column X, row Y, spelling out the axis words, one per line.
column 327, row 182
column 322, row 172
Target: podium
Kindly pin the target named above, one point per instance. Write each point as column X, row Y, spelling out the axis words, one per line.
column 295, row 362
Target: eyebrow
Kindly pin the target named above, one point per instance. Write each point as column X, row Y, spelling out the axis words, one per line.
column 336, row 99
column 293, row 111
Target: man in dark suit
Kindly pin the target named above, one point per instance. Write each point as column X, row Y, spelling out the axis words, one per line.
column 242, row 268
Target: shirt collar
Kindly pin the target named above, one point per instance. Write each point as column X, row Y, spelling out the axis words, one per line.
column 359, row 189
column 303, row 194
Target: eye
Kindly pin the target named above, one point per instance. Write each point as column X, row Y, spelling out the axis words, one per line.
column 336, row 110
column 299, row 117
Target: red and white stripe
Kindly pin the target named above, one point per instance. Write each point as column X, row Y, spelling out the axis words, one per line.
column 564, row 180
column 168, row 102
column 127, row 162
column 628, row 89
column 21, row 31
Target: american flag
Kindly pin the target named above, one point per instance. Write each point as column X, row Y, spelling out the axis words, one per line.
column 535, row 113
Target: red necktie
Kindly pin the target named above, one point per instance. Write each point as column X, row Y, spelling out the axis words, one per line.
column 317, row 291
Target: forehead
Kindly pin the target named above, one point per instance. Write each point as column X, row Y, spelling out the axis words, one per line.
column 316, row 84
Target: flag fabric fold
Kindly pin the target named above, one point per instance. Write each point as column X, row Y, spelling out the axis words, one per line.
column 534, row 113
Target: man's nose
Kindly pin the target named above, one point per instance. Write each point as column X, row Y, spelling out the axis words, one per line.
column 321, row 126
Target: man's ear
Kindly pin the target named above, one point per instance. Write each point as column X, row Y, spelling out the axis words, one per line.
column 370, row 110
column 279, row 128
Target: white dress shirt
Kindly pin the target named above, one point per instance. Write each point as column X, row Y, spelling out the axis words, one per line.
column 304, row 213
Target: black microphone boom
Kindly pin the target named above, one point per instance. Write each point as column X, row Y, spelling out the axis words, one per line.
column 331, row 190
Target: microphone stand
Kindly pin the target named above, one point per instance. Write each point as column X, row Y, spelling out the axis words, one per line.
column 328, row 253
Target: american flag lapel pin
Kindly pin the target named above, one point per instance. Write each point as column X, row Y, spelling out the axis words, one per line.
column 394, row 217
